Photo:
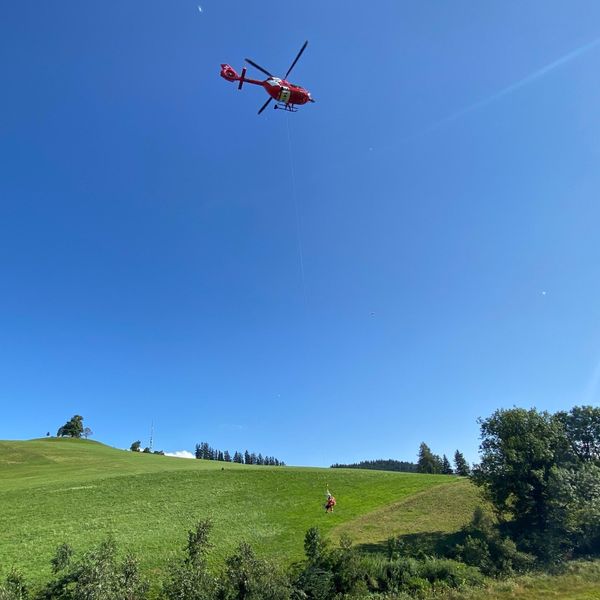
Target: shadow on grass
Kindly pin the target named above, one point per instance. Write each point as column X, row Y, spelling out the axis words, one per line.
column 431, row 543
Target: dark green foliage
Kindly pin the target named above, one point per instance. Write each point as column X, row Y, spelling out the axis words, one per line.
column 485, row 548
column 206, row 452
column 541, row 474
column 314, row 545
column 62, row 558
column 14, row 587
column 136, row 446
column 380, row 465
column 343, row 572
column 248, row 577
column 461, row 466
column 147, row 450
column 97, row 575
column 189, row 579
column 427, row 461
column 198, row 544
column 520, row 451
column 72, row 428
column 446, row 467
column 582, row 429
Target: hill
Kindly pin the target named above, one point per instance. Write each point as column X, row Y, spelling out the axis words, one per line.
column 55, row 490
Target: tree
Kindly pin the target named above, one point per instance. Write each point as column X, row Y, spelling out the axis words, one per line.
column 248, row 577
column 136, row 446
column 446, row 467
column 427, row 461
column 461, row 465
column 226, row 456
column 147, row 450
column 521, row 475
column 72, row 428
column 582, row 428
column 99, row 573
column 189, row 579
column 247, row 458
column 87, row 432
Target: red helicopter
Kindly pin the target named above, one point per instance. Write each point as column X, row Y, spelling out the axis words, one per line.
column 286, row 94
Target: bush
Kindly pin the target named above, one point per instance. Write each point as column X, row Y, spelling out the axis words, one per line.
column 14, row 587
column 189, row 578
column 248, row 577
column 485, row 548
column 98, row 575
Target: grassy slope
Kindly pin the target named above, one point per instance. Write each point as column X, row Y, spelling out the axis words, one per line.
column 439, row 510
column 80, row 491
column 580, row 582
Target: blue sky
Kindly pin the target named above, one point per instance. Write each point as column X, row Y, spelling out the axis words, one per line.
column 442, row 194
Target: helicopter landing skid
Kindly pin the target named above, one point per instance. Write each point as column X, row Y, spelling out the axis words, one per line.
column 283, row 106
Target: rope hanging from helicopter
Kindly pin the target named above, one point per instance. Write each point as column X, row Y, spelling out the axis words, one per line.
column 296, row 210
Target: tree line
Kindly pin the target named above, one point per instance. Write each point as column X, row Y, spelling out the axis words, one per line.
column 427, row 462
column 431, row 463
column 380, row 465
column 206, row 452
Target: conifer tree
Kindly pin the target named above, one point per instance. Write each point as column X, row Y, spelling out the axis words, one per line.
column 446, row 467
column 427, row 461
column 461, row 465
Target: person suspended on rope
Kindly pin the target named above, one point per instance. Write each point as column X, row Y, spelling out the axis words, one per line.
column 331, row 502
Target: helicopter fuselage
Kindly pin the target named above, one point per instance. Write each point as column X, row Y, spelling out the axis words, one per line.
column 280, row 90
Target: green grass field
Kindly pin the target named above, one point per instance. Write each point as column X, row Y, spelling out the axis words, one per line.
column 56, row 490
column 78, row 491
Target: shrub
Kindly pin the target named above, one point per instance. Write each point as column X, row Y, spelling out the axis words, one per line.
column 14, row 587
column 97, row 575
column 485, row 548
column 248, row 577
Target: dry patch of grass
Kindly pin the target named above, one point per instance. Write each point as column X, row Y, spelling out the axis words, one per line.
column 441, row 509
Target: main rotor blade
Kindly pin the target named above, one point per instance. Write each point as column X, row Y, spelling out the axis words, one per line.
column 258, row 67
column 265, row 105
column 296, row 59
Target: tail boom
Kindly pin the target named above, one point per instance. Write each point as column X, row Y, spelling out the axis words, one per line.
column 230, row 74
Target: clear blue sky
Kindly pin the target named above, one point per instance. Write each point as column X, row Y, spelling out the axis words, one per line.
column 447, row 189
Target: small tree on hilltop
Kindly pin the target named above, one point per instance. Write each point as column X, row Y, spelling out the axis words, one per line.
column 87, row 432
column 136, row 446
column 72, row 428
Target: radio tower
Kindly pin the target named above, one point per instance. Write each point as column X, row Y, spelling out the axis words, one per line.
column 151, row 435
